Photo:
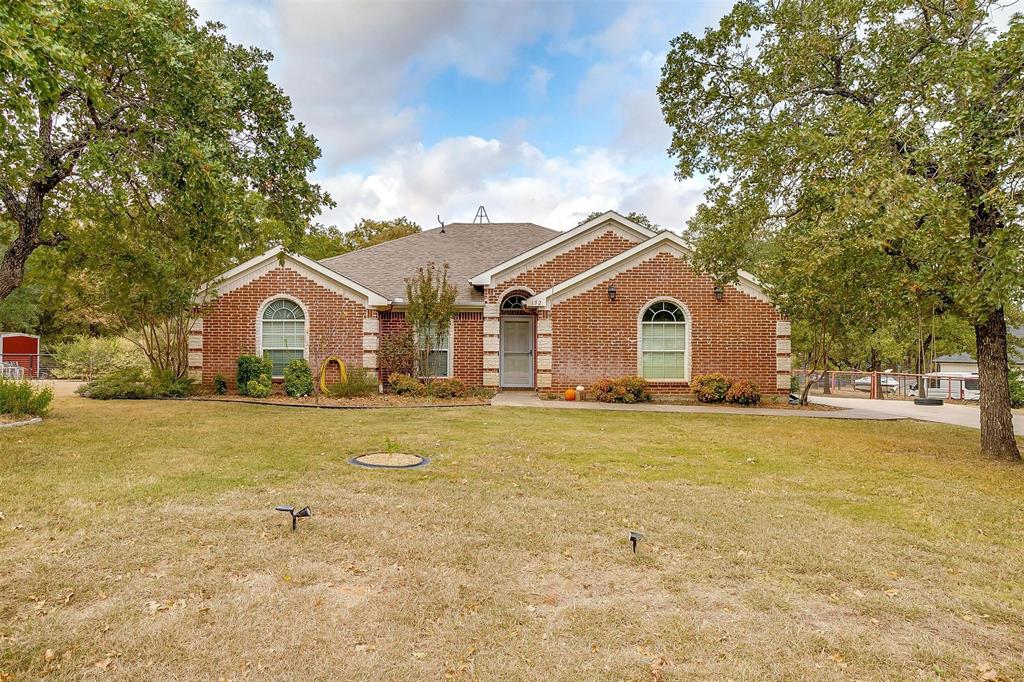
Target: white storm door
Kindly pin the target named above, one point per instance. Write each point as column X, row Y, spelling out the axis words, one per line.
column 517, row 352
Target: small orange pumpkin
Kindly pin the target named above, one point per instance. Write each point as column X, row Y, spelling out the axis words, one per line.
column 570, row 394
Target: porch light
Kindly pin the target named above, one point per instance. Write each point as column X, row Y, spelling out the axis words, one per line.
column 719, row 292
column 612, row 293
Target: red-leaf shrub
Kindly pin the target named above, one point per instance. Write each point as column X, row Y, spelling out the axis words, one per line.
column 743, row 392
column 446, row 388
column 710, row 388
column 622, row 390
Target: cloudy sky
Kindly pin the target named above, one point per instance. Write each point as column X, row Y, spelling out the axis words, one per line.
column 541, row 112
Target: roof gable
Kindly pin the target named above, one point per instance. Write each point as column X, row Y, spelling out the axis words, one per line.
column 662, row 242
column 253, row 268
column 577, row 234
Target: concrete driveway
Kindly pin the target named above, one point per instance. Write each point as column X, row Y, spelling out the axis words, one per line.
column 956, row 415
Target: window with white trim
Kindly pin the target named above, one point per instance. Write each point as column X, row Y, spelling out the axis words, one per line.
column 283, row 334
column 439, row 355
column 663, row 342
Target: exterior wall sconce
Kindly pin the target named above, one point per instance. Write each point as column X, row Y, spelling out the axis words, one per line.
column 719, row 292
column 612, row 293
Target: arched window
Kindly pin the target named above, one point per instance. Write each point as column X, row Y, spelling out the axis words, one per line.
column 663, row 342
column 283, row 333
column 514, row 303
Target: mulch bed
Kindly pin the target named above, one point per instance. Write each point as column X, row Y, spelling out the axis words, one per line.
column 364, row 403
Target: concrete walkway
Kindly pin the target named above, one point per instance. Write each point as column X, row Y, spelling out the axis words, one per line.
column 530, row 399
column 955, row 415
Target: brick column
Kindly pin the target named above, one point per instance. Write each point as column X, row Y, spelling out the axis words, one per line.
column 783, row 359
column 195, row 351
column 543, row 353
column 491, row 341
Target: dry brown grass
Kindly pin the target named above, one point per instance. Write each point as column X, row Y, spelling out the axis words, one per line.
column 140, row 542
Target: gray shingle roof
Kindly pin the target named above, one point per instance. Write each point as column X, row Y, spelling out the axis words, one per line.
column 467, row 248
column 1015, row 336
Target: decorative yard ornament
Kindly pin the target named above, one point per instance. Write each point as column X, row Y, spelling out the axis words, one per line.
column 634, row 538
column 342, row 373
column 301, row 514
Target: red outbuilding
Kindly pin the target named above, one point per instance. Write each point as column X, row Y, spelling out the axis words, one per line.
column 20, row 349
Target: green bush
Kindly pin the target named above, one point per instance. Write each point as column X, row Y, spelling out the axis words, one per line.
column 135, row 383
column 446, row 388
column 259, row 388
column 20, row 398
column 251, row 368
column 358, row 383
column 710, row 388
column 743, row 392
column 628, row 389
column 1016, row 388
column 404, row 384
column 298, row 379
column 87, row 357
column 220, row 385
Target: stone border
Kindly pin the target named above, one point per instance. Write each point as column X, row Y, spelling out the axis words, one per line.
column 355, row 461
column 271, row 403
column 26, row 422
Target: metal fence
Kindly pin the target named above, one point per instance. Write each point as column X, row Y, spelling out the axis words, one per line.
column 881, row 385
column 27, row 365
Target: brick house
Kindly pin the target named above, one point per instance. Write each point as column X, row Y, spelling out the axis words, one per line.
column 537, row 309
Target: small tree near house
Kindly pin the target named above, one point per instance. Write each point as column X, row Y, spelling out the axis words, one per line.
column 431, row 309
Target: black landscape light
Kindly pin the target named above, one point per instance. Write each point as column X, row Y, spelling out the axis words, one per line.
column 634, row 538
column 301, row 514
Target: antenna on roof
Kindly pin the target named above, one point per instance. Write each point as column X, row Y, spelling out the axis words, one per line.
column 440, row 221
column 481, row 216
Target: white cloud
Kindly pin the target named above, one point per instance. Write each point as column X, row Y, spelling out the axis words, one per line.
column 537, row 83
column 514, row 180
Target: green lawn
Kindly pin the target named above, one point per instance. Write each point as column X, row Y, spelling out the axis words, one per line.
column 139, row 541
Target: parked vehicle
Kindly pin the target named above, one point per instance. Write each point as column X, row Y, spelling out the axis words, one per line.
column 951, row 385
column 886, row 383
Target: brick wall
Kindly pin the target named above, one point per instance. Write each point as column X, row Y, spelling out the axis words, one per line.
column 593, row 337
column 334, row 324
column 467, row 359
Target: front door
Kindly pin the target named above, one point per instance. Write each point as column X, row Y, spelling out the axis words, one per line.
column 517, row 351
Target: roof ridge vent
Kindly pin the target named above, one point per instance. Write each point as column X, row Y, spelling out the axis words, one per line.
column 481, row 216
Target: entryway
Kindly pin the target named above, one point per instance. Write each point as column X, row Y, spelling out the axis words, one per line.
column 516, row 354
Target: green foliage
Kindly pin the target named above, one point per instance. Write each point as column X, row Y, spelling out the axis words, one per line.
column 323, row 242
column 21, row 397
column 628, row 389
column 431, row 309
column 397, row 353
column 1016, row 388
column 743, row 392
column 21, row 311
column 358, row 383
column 136, row 383
column 446, row 388
column 405, row 384
column 298, row 379
column 88, row 357
column 251, row 368
column 710, row 388
column 260, row 387
column 220, row 384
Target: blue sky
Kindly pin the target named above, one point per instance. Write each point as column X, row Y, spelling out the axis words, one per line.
column 541, row 112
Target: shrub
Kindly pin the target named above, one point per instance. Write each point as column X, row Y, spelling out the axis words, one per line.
column 252, row 368
column 404, row 384
column 129, row 383
column 259, row 388
column 1016, row 388
column 358, row 383
column 710, row 388
column 743, row 392
column 20, row 398
column 298, row 379
column 87, row 357
column 396, row 353
column 628, row 389
column 446, row 388
column 220, row 384
column 135, row 383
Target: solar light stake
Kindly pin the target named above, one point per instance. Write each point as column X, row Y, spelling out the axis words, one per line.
column 634, row 538
column 301, row 514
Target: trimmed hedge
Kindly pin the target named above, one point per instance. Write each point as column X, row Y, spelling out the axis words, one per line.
column 260, row 387
column 710, row 388
column 298, row 379
column 629, row 389
column 136, row 383
column 252, row 368
column 743, row 392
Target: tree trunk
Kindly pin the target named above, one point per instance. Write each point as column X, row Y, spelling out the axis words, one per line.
column 827, row 386
column 997, row 437
column 875, row 365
